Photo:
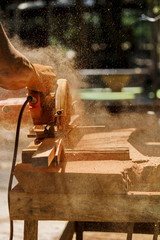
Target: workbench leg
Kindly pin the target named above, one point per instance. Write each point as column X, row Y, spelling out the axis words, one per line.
column 68, row 231
column 79, row 230
column 130, row 231
column 30, row 230
column 156, row 231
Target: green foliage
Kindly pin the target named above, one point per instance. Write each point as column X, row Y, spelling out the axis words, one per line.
column 140, row 30
column 156, row 9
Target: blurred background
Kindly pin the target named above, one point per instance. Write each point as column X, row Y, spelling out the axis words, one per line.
column 96, row 34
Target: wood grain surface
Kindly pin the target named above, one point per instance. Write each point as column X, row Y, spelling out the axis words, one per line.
column 84, row 207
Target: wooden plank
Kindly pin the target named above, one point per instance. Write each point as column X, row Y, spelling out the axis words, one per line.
column 28, row 152
column 45, row 153
column 138, row 193
column 68, row 231
column 84, row 207
column 111, row 153
column 83, row 167
column 145, row 178
column 72, row 183
column 58, row 153
column 103, row 140
column 74, row 120
column 30, row 230
column 37, row 130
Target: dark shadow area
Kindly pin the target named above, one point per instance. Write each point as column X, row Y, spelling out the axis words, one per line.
column 143, row 228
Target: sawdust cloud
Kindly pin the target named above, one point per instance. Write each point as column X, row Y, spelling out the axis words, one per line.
column 63, row 68
column 7, row 135
column 91, row 114
column 52, row 56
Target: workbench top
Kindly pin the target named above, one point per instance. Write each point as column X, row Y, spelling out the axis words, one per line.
column 98, row 159
column 94, row 189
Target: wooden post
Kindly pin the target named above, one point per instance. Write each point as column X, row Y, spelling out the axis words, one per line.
column 130, row 231
column 68, row 231
column 156, row 231
column 79, row 230
column 30, row 230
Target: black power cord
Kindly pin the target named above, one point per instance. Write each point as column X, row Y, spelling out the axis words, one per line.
column 29, row 99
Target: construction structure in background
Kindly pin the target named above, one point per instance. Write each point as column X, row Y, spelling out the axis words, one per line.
column 102, row 34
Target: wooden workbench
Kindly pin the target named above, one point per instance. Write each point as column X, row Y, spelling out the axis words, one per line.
column 107, row 181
